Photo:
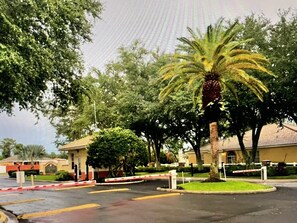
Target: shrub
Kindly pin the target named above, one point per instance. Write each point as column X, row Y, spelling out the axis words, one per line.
column 281, row 169
column 271, row 171
column 63, row 176
column 291, row 170
column 12, row 174
column 31, row 172
column 178, row 169
column 205, row 169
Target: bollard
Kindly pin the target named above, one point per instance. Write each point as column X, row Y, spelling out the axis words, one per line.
column 264, row 173
column 172, row 179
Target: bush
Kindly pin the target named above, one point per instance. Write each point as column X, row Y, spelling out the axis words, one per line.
column 281, row 169
column 271, row 171
column 178, row 169
column 291, row 170
column 205, row 169
column 152, row 169
column 231, row 168
column 31, row 172
column 63, row 176
column 12, row 174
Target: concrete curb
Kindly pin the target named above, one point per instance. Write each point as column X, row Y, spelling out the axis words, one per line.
column 219, row 192
column 3, row 217
column 7, row 217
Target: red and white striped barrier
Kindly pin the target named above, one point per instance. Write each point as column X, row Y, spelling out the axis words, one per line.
column 118, row 179
column 263, row 171
column 246, row 171
column 38, row 187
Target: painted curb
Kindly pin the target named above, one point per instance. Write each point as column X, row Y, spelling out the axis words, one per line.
column 219, row 192
column 3, row 217
column 38, row 187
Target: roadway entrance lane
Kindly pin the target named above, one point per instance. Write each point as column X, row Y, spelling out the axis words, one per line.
column 279, row 206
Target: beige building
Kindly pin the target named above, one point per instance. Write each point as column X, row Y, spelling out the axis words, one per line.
column 277, row 144
column 43, row 165
column 77, row 155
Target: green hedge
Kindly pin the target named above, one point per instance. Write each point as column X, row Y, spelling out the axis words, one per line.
column 63, row 176
column 280, row 170
column 12, row 174
column 178, row 169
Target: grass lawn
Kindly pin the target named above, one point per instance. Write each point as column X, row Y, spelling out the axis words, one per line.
column 283, row 177
column 223, row 186
column 42, row 177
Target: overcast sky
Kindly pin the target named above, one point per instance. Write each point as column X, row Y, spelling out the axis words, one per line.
column 157, row 23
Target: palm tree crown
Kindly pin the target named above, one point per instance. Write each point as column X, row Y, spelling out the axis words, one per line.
column 206, row 65
column 210, row 63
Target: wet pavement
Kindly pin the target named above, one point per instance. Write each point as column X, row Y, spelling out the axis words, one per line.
column 119, row 206
column 6, row 182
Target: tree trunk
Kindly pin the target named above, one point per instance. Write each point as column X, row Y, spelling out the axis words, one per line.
column 149, row 150
column 214, row 143
column 198, row 157
column 256, row 132
column 245, row 154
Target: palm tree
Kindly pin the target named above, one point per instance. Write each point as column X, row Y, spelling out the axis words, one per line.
column 208, row 64
column 31, row 152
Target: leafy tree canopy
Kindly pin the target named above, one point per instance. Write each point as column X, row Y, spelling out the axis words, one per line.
column 9, row 147
column 40, row 56
column 117, row 148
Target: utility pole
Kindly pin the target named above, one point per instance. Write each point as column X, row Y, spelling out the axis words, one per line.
column 95, row 116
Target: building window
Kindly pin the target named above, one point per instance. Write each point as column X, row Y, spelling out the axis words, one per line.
column 72, row 161
column 231, row 157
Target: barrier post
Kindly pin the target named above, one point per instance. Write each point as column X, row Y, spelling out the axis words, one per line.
column 264, row 173
column 20, row 177
column 183, row 177
column 172, row 179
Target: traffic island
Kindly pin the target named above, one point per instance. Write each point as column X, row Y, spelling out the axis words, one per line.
column 230, row 187
column 217, row 192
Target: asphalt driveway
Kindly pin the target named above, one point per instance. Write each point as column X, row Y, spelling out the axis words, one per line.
column 118, row 204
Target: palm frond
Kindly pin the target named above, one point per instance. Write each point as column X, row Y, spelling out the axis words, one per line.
column 217, row 52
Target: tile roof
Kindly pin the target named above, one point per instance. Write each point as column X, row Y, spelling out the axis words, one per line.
column 10, row 159
column 15, row 158
column 78, row 144
column 271, row 136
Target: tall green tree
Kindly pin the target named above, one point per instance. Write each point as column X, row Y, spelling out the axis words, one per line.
column 40, row 58
column 95, row 111
column 209, row 63
column 117, row 148
column 7, row 146
column 138, row 106
column 281, row 48
column 278, row 42
column 187, row 123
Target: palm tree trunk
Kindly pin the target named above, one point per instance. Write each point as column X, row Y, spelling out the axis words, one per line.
column 214, row 143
